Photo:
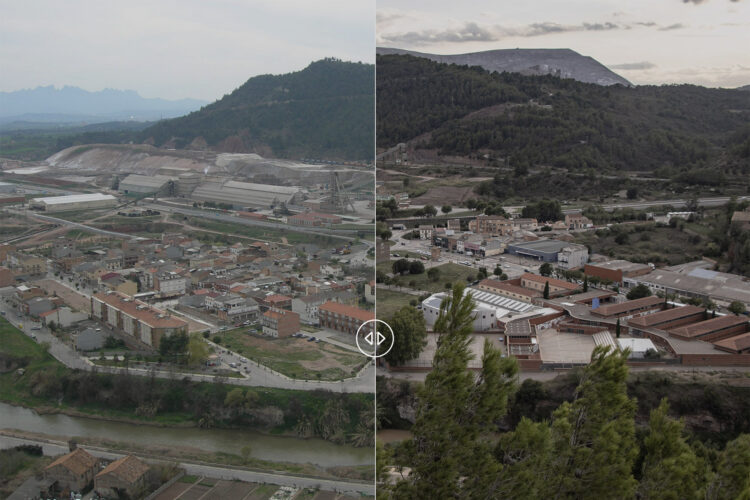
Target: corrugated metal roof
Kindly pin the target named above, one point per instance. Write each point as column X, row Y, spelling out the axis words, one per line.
column 74, row 198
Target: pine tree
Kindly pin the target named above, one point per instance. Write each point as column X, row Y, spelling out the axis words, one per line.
column 732, row 472
column 546, row 289
column 585, row 283
column 454, row 408
column 617, row 328
column 670, row 470
column 593, row 438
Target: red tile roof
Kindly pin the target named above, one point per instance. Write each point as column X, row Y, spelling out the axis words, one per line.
column 77, row 461
column 346, row 310
column 552, row 281
column 154, row 318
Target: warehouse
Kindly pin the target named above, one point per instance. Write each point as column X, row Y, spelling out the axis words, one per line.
column 570, row 255
column 245, row 194
column 7, row 187
column 144, row 184
column 74, row 202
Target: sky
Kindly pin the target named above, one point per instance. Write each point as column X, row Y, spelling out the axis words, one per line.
column 703, row 42
column 175, row 49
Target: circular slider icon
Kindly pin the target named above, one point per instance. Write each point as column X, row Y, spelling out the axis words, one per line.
column 375, row 338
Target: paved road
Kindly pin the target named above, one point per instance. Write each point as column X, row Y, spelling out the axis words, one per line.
column 77, row 225
column 54, row 448
column 256, row 376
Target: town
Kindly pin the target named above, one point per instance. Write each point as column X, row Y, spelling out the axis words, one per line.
column 176, row 273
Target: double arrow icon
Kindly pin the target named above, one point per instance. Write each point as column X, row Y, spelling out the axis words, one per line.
column 380, row 337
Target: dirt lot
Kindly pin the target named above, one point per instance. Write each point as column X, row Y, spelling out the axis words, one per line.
column 295, row 357
column 71, row 297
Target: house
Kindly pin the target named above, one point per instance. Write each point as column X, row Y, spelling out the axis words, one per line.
column 72, row 472
column 491, row 225
column 577, row 221
column 232, row 307
column 425, row 232
column 6, row 277
column 124, row 478
column 276, row 301
column 63, row 316
column 307, row 306
column 280, row 323
column 370, row 288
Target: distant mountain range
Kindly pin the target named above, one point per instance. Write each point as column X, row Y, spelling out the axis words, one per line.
column 73, row 105
column 326, row 110
column 564, row 63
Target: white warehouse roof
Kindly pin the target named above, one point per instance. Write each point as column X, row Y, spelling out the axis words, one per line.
column 244, row 193
column 74, row 198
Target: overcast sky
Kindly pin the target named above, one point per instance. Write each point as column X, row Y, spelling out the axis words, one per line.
column 175, row 48
column 706, row 42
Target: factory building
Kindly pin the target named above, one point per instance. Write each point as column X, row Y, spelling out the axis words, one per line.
column 693, row 281
column 7, row 187
column 616, row 270
column 135, row 184
column 246, row 194
column 567, row 255
column 74, row 202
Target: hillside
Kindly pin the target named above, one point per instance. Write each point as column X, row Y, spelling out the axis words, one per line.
column 324, row 111
column 563, row 63
column 76, row 105
column 683, row 132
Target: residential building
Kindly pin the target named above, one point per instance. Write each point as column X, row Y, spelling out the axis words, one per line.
column 126, row 477
column 495, row 225
column 577, row 221
column 370, row 289
column 342, row 317
column 26, row 264
column 280, row 323
column 572, row 257
column 142, row 322
column 556, row 287
column 170, row 284
column 307, row 306
column 232, row 307
column 72, row 472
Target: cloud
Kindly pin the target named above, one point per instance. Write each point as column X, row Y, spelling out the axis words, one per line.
column 633, row 66
column 671, row 27
column 473, row 32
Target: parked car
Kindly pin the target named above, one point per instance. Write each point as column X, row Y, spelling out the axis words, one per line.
column 311, row 339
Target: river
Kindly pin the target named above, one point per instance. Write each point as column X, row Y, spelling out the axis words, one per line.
column 262, row 446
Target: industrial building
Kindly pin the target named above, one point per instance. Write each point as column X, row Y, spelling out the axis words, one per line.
column 567, row 255
column 690, row 280
column 616, row 270
column 74, row 202
column 7, row 187
column 135, row 184
column 246, row 194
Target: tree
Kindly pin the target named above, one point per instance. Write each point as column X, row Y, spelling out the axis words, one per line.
column 453, row 408
column 386, row 235
column 410, row 333
column 546, row 290
column 736, row 307
column 498, row 270
column 670, row 470
column 617, row 328
column 430, row 210
column 545, row 269
column 593, row 437
column 401, row 266
column 585, row 283
column 174, row 345
column 632, row 193
column 482, row 274
column 433, row 274
column 197, row 350
column 446, row 209
column 639, row 292
column 732, row 472
column 416, row 267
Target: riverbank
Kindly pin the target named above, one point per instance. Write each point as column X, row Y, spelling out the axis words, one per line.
column 191, row 454
column 31, row 378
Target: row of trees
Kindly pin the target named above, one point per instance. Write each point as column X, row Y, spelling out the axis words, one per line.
column 589, row 449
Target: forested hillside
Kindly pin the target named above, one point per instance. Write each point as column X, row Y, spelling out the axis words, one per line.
column 674, row 131
column 326, row 110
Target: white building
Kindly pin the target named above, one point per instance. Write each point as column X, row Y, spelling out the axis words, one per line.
column 170, row 285
column 573, row 257
column 74, row 202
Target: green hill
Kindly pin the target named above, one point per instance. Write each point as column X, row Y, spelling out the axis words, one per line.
column 326, row 111
column 674, row 131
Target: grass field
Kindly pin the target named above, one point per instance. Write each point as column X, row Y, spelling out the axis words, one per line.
column 449, row 273
column 264, row 233
column 294, row 357
column 388, row 302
